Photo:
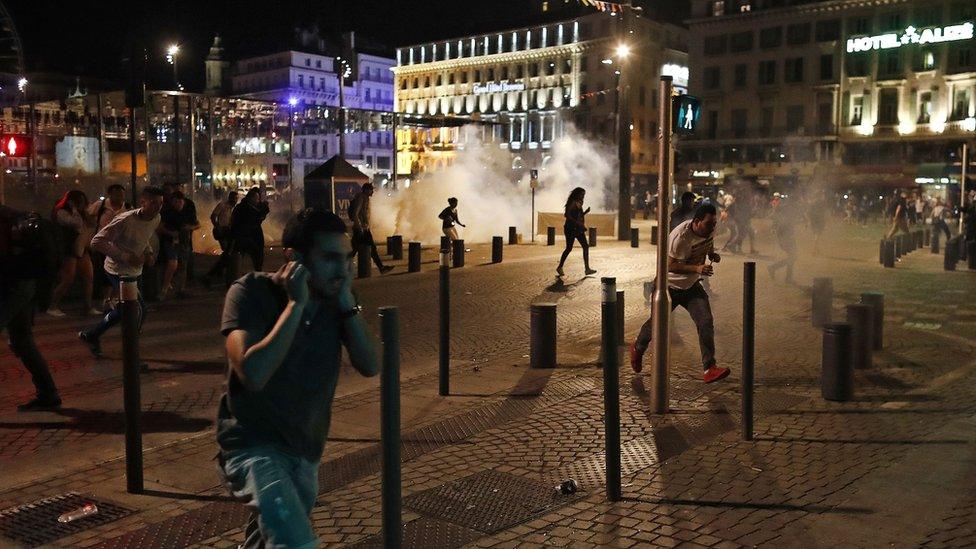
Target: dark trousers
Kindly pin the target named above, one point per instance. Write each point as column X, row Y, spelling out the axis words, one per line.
column 941, row 225
column 17, row 317
column 114, row 316
column 221, row 264
column 695, row 301
column 365, row 238
column 572, row 235
column 787, row 243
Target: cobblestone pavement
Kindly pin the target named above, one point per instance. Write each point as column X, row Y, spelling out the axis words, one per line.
column 479, row 466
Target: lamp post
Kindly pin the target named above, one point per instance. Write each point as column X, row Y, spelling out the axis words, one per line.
column 292, row 102
column 621, row 112
column 171, row 53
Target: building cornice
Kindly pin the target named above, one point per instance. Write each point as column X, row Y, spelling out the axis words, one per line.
column 804, row 9
column 495, row 58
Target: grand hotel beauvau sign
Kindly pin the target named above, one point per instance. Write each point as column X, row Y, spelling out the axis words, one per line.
column 912, row 35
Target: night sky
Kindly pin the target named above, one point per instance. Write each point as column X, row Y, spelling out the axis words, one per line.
column 88, row 38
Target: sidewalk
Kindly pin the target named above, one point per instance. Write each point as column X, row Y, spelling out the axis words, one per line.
column 895, row 467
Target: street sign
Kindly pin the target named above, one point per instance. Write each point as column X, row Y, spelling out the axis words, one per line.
column 685, row 114
column 16, row 145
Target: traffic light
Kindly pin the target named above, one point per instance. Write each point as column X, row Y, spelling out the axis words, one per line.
column 16, row 145
column 685, row 113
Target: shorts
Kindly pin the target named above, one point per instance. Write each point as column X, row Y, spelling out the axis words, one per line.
column 169, row 250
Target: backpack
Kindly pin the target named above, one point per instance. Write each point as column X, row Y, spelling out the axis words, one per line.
column 34, row 251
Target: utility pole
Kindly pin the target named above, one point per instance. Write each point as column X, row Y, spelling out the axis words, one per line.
column 962, row 183
column 661, row 304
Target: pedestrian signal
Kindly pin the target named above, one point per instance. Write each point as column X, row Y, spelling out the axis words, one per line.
column 685, row 113
column 16, row 145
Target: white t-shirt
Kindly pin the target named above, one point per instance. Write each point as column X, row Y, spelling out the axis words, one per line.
column 126, row 233
column 684, row 246
column 937, row 212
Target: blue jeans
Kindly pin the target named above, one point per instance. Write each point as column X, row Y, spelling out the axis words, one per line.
column 114, row 316
column 280, row 488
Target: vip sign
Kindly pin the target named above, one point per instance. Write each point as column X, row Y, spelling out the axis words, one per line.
column 912, row 35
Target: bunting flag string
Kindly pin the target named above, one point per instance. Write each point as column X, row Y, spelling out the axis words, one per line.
column 600, row 5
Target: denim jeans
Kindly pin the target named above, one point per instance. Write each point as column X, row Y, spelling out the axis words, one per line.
column 280, row 489
column 114, row 316
column 695, row 300
column 17, row 317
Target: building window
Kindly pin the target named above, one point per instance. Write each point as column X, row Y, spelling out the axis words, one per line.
column 712, row 78
column 440, row 80
column 533, row 69
column 505, row 72
column 859, row 25
column 318, row 63
column 464, row 77
column 519, row 71
column 891, row 22
column 712, row 124
column 491, row 75
column 550, row 68
column 766, row 121
column 426, row 81
column 771, row 38
column 888, row 106
column 794, row 70
column 740, row 42
column 301, row 80
column 925, row 107
column 794, row 118
column 641, row 95
column 739, row 117
column 960, row 103
column 450, row 78
column 767, row 73
column 716, row 45
column 859, row 64
column 403, row 84
column 718, row 8
column 798, row 34
column 925, row 59
column 928, row 16
column 366, row 96
column 827, row 67
column 567, row 66
column 315, row 148
column 308, row 62
column 889, row 63
column 857, row 110
column 963, row 10
column 303, row 148
column 477, row 76
column 322, row 84
column 828, row 30
column 961, row 58
column 739, row 80
column 583, row 63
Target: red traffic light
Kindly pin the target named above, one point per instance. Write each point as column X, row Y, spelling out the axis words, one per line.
column 16, row 145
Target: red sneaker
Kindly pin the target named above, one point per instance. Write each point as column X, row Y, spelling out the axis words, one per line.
column 715, row 374
column 636, row 358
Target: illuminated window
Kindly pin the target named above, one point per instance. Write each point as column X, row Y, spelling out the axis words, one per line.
column 925, row 108
column 718, row 8
column 857, row 109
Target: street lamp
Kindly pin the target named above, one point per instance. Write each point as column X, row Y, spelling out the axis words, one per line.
column 171, row 52
column 21, row 84
column 623, row 50
column 622, row 115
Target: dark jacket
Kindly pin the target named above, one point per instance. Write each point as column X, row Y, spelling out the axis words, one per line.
column 245, row 224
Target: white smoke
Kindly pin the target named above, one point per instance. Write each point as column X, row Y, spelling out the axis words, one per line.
column 491, row 195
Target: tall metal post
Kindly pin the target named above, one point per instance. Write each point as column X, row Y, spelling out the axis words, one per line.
column 962, row 184
column 33, row 157
column 176, row 137
column 134, row 152
column 342, row 114
column 191, row 105
column 390, row 427
column 210, row 140
column 101, row 136
column 394, row 148
column 444, row 352
column 661, row 306
column 291, row 152
column 748, row 345
column 623, row 131
column 611, row 387
column 131, row 390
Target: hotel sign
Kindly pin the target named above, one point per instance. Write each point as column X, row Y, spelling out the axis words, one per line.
column 494, row 88
column 912, row 35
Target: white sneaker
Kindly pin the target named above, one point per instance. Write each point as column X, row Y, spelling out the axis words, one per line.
column 55, row 312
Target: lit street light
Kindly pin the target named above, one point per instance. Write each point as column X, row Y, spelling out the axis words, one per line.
column 623, row 50
column 22, row 84
column 171, row 52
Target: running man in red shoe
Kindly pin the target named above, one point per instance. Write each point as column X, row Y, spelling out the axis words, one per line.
column 689, row 244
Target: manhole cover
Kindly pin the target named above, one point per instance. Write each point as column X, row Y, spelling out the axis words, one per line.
column 488, row 501
column 426, row 532
column 36, row 523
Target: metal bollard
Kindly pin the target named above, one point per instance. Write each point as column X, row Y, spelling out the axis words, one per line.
column 823, row 296
column 919, row 239
column 397, row 251
column 512, row 236
column 542, row 333
column 550, row 236
column 611, row 388
column 861, row 318
column 390, row 427
column 897, row 241
column 131, row 388
column 621, row 321
column 971, row 255
column 389, row 245
column 963, row 248
column 634, row 237
column 151, row 280
column 444, row 325
column 496, row 249
column 951, row 255
column 445, row 243
column 364, row 266
column 889, row 258
column 458, row 253
column 881, row 252
column 836, row 375
column 876, row 301
column 592, row 237
column 926, row 236
column 748, row 346
column 654, row 235
column 413, row 257
column 934, row 246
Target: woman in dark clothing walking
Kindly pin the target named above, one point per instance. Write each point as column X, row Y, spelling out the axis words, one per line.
column 245, row 226
column 575, row 229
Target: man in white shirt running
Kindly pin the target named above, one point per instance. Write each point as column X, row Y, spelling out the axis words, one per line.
column 689, row 244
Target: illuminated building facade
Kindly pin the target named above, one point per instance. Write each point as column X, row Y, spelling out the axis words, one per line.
column 536, row 82
column 854, row 93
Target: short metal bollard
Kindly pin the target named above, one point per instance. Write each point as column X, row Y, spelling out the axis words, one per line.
column 496, row 249
column 951, row 255
column 592, row 236
column 542, row 344
column 389, row 245
column 413, row 257
column 550, row 236
column 611, row 388
column 458, row 253
column 634, row 237
column 837, row 373
column 881, row 252
column 823, row 297
column 512, row 236
column 876, row 301
column 390, row 427
column 131, row 387
column 654, row 235
column 397, row 242
column 445, row 243
column 621, row 318
column 748, row 346
column 934, row 245
column 364, row 265
column 444, row 325
column 889, row 257
column 861, row 318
